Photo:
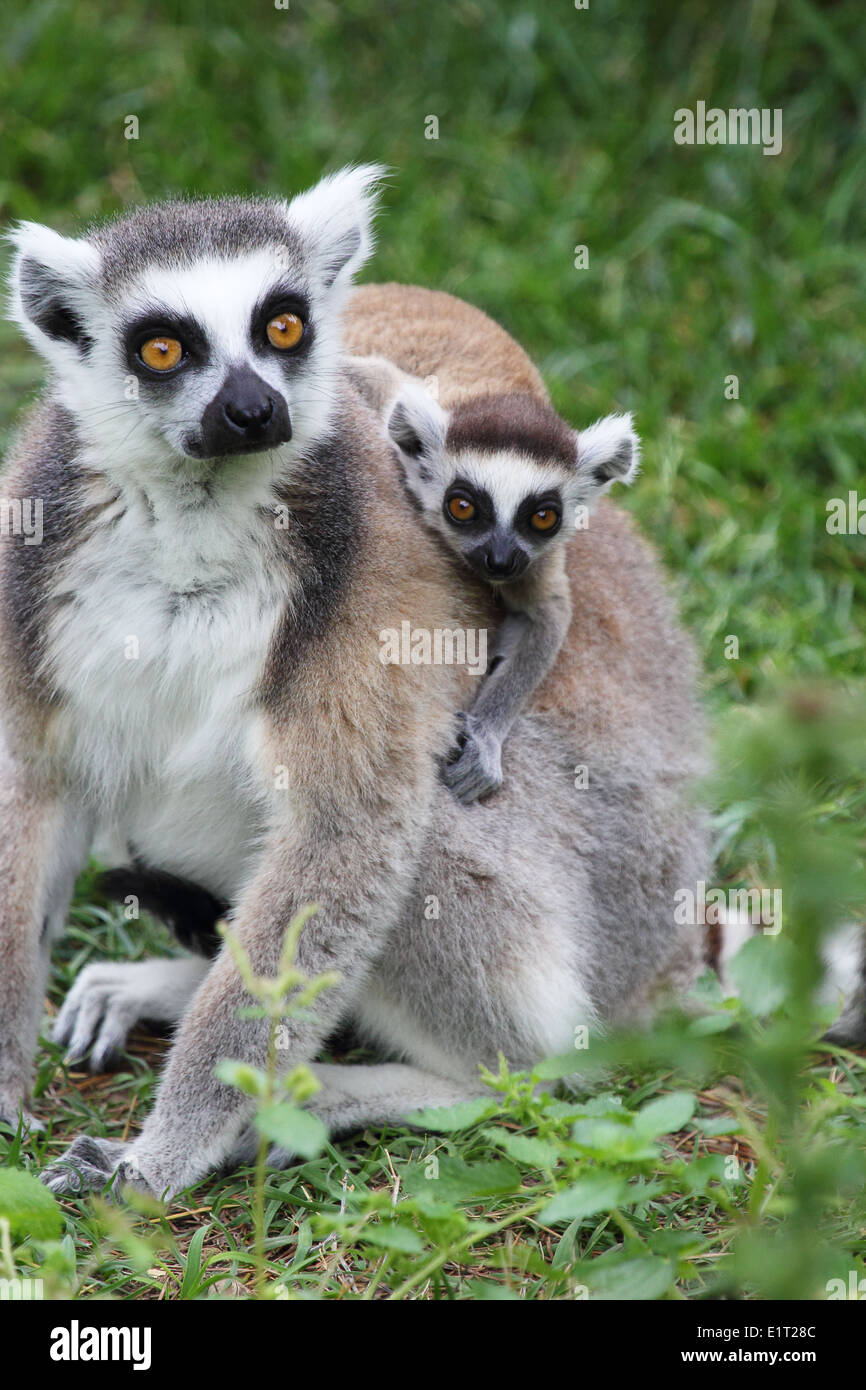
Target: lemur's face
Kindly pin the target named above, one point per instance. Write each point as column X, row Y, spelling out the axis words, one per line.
column 221, row 355
column 188, row 333
column 501, row 511
column 502, row 478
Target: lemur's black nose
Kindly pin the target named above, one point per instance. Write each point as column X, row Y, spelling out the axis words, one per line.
column 504, row 564
column 247, row 414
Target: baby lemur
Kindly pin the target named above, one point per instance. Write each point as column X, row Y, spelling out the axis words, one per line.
column 504, row 482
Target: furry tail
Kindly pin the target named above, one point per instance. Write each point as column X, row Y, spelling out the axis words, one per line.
column 189, row 911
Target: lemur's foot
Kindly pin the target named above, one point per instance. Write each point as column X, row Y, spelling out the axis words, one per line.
column 89, row 1165
column 477, row 768
column 12, row 1110
column 109, row 998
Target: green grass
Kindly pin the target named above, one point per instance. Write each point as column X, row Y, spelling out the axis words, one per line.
column 555, row 130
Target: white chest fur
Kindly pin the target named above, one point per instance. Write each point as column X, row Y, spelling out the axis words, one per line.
column 159, row 632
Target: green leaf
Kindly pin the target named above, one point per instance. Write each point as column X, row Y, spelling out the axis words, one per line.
column 458, row 1181
column 299, row 1131
column 643, row 1190
column 28, row 1206
column 555, row 1068
column 665, row 1114
column 696, row 1176
column 192, row 1272
column 242, row 1076
column 585, row 1198
column 303, row 1245
column 486, row 1291
column 679, row 1245
column 724, row 1124
column 525, row 1148
column 564, row 1252
column 611, row 1141
column 709, row 1024
column 390, row 1236
column 707, row 988
column 762, row 971
column 606, row 1104
column 445, row 1119
column 629, row 1277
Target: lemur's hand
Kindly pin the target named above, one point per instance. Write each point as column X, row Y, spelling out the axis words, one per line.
column 476, row 770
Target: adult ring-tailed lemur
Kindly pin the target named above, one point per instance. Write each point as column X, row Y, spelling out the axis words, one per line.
column 191, row 673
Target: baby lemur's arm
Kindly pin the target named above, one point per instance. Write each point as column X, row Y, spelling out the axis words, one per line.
column 537, row 618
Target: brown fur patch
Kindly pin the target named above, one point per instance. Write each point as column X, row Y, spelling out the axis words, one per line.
column 430, row 333
column 515, row 421
column 324, row 671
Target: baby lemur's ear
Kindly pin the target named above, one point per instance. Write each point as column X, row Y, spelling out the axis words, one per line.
column 335, row 220
column 417, row 425
column 608, row 452
column 378, row 381
column 53, row 289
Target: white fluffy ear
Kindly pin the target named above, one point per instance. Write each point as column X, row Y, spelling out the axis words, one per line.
column 52, row 285
column 378, row 381
column 417, row 424
column 335, row 220
column 608, row 452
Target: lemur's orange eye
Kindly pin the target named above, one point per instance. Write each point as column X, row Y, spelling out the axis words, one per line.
column 461, row 508
column 285, row 331
column 161, row 354
column 544, row 519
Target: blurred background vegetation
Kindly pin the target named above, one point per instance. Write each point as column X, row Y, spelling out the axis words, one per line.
column 555, row 130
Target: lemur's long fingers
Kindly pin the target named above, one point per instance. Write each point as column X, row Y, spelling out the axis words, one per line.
column 87, row 1023
column 120, row 1017
column 94, row 980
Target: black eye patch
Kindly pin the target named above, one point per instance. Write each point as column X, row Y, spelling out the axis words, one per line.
column 283, row 299
column 485, row 511
column 159, row 323
column 540, row 502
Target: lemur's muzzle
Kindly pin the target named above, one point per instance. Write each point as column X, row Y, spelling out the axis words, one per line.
column 246, row 416
column 498, row 562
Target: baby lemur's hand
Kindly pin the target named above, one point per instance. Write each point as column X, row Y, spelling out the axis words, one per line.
column 476, row 768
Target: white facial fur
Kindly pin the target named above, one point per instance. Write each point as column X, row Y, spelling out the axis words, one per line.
column 220, row 298
column 138, row 435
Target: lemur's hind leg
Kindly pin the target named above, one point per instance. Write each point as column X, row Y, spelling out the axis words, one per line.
column 43, row 845
column 109, row 998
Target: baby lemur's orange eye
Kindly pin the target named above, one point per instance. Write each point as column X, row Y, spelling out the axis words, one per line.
column 161, row 354
column 544, row 519
column 461, row 508
column 285, row 331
